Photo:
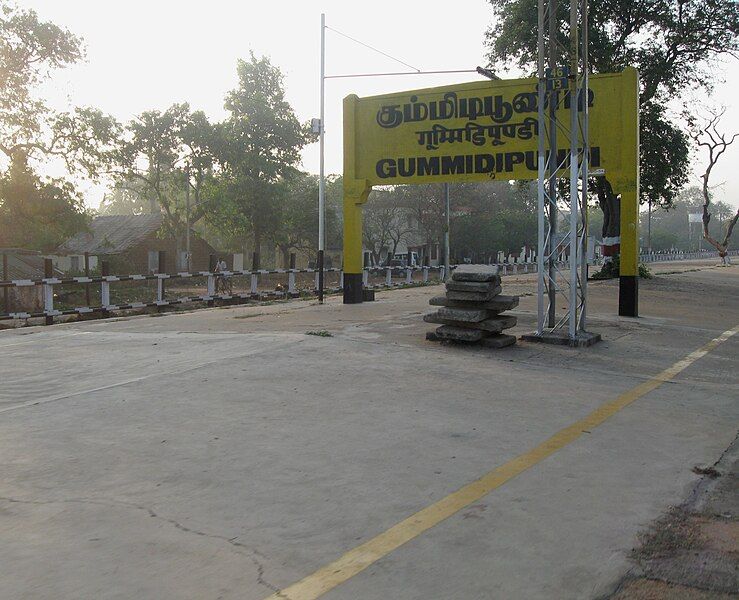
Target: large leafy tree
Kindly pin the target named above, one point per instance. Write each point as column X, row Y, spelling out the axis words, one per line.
column 297, row 229
column 260, row 144
column 162, row 156
column 673, row 43
column 35, row 212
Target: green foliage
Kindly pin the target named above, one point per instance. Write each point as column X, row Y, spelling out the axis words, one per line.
column 163, row 156
column 40, row 214
column 500, row 216
column 670, row 228
column 673, row 43
column 260, row 143
column 610, row 270
column 35, row 214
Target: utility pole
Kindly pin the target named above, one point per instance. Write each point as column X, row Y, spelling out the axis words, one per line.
column 321, row 177
column 187, row 218
column 649, row 227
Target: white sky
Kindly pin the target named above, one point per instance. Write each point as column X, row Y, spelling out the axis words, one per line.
column 149, row 54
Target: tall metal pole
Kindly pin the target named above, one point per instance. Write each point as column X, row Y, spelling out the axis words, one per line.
column 574, row 169
column 553, row 168
column 649, row 228
column 321, row 180
column 585, row 164
column 187, row 218
column 447, row 210
column 541, row 248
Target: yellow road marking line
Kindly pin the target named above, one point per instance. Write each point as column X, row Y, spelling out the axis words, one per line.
column 358, row 559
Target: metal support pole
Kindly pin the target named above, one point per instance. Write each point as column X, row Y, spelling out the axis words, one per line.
column 574, row 170
column 553, row 168
column 649, row 227
column 321, row 178
column 584, row 91
column 188, row 264
column 541, row 248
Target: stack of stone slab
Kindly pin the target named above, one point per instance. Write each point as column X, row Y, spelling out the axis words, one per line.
column 471, row 309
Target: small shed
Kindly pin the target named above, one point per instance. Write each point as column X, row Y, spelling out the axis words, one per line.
column 131, row 243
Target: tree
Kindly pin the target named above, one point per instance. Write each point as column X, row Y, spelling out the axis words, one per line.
column 673, row 43
column 161, row 157
column 385, row 224
column 707, row 136
column 297, row 228
column 125, row 199
column 31, row 133
column 36, row 214
column 260, row 143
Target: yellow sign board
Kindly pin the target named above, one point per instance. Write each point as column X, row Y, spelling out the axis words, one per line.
column 479, row 131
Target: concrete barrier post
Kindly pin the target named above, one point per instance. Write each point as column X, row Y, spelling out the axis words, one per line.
column 87, row 274
column 104, row 285
column 48, row 290
column 6, row 291
column 291, row 275
column 161, row 269
column 254, row 275
column 389, row 276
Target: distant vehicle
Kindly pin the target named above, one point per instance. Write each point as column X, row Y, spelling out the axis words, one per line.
column 402, row 258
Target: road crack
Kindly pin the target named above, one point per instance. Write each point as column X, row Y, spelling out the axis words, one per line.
column 242, row 549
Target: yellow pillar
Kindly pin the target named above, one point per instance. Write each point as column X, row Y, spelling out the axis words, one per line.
column 356, row 192
column 627, row 184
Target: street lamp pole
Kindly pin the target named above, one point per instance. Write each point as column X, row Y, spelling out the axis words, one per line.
column 321, row 178
column 187, row 218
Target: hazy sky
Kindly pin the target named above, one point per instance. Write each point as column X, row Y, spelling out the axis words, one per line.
column 149, row 54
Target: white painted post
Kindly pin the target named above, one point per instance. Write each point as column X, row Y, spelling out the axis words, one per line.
column 425, row 274
column 105, row 293
column 389, row 276
column 291, row 282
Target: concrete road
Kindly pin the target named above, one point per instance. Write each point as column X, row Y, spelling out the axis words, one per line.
column 224, row 453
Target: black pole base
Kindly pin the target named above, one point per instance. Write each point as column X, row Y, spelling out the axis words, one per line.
column 353, row 288
column 628, row 296
column 319, row 266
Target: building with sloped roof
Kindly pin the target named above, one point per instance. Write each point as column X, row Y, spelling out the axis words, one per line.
column 131, row 244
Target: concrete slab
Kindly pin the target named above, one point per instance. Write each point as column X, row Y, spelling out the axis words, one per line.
column 499, row 303
column 224, row 453
column 475, row 273
column 473, row 296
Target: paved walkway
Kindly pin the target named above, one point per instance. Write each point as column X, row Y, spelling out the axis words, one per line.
column 224, row 453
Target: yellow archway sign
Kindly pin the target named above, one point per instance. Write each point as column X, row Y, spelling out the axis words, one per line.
column 477, row 132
